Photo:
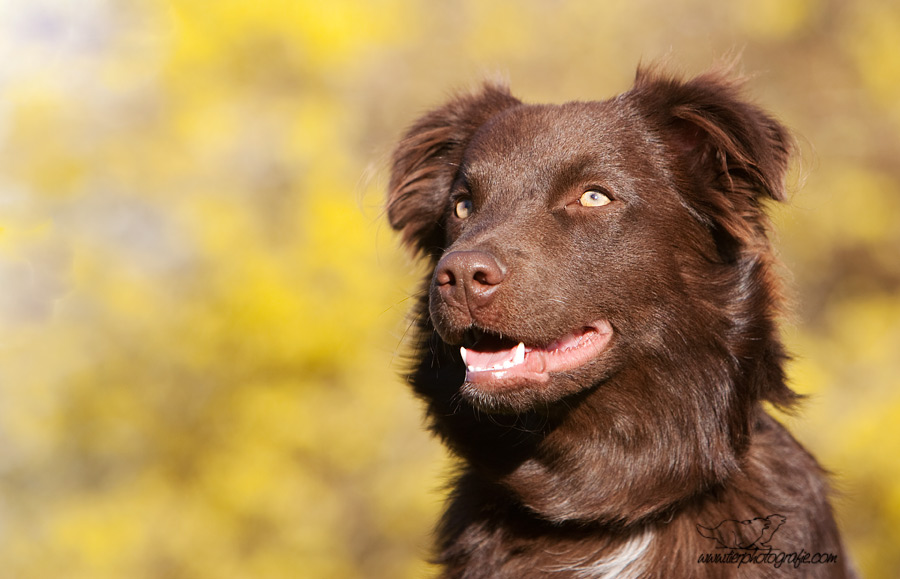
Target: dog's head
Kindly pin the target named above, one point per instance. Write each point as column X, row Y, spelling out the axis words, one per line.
column 601, row 286
column 571, row 239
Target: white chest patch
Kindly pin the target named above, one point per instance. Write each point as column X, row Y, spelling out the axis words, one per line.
column 624, row 562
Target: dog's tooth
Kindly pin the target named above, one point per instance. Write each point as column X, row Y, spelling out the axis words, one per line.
column 462, row 352
column 520, row 354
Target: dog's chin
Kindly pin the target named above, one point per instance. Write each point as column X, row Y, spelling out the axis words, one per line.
column 506, row 376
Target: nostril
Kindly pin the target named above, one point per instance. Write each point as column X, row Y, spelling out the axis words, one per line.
column 445, row 276
column 492, row 272
column 488, row 276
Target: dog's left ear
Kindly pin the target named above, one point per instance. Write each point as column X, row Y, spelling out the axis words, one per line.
column 730, row 153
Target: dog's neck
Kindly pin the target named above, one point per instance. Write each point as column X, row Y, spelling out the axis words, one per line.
column 591, row 460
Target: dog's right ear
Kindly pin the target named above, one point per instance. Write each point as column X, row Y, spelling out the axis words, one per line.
column 426, row 160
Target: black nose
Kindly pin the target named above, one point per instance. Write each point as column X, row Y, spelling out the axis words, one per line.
column 468, row 278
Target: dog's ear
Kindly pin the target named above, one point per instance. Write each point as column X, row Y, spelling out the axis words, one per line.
column 426, row 160
column 731, row 153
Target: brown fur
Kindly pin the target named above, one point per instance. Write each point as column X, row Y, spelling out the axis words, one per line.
column 608, row 468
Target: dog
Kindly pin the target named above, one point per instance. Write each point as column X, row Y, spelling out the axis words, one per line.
column 598, row 335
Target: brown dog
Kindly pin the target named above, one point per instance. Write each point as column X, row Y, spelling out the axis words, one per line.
column 599, row 333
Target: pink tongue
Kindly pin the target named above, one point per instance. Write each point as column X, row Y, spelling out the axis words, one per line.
column 489, row 359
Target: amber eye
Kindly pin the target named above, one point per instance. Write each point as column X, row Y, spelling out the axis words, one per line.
column 594, row 198
column 463, row 208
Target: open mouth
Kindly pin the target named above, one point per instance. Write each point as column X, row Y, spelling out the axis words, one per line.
column 492, row 357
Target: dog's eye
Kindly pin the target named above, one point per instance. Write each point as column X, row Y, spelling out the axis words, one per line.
column 594, row 198
column 463, row 208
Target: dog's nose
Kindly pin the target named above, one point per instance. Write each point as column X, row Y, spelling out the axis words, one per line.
column 468, row 278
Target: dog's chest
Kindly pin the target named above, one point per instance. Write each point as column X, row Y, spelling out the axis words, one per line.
column 624, row 561
column 588, row 558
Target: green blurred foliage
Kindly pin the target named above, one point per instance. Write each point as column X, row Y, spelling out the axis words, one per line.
column 202, row 311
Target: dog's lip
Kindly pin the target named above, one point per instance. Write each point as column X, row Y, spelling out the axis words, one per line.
column 535, row 363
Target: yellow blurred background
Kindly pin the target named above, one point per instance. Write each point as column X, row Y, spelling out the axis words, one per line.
column 202, row 309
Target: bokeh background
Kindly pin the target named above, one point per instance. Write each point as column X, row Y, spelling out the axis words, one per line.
column 202, row 309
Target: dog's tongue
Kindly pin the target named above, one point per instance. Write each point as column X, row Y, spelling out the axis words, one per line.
column 494, row 360
column 491, row 360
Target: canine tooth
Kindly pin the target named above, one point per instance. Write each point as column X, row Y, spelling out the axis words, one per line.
column 520, row 354
column 462, row 352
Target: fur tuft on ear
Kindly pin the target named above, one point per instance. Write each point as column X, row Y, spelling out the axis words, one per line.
column 732, row 153
column 425, row 163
